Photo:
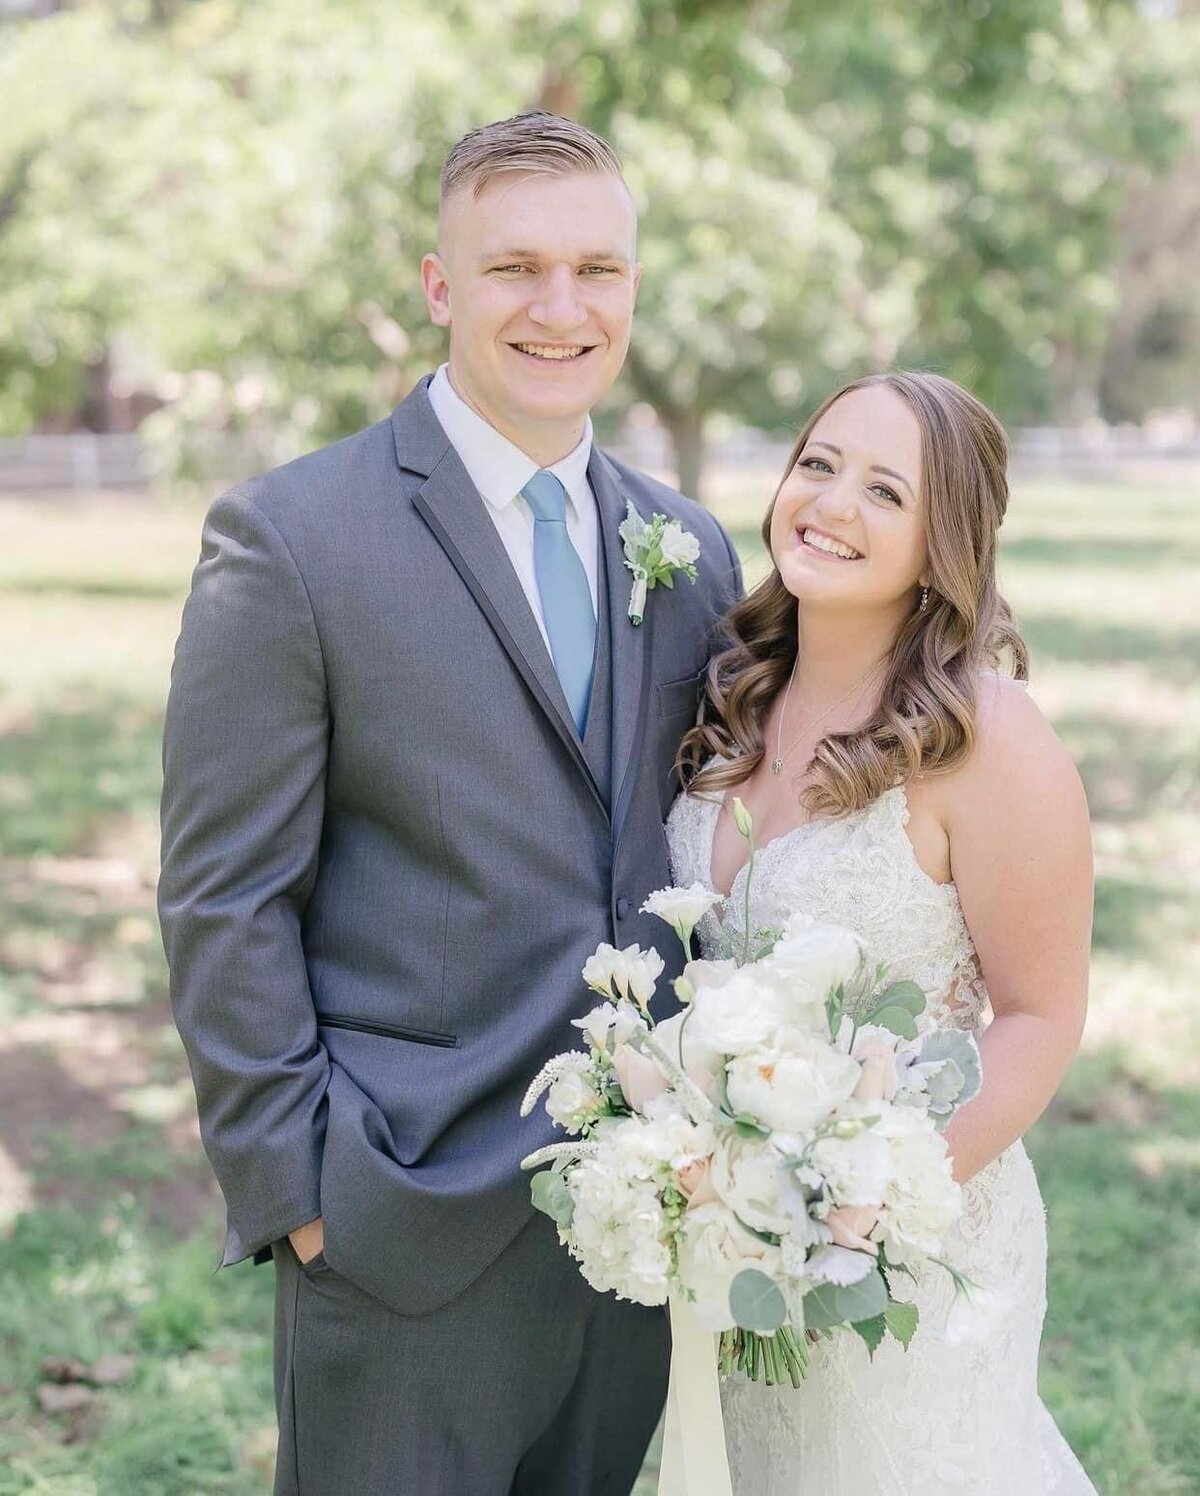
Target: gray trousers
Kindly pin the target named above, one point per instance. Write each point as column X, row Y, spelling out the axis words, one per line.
column 528, row 1384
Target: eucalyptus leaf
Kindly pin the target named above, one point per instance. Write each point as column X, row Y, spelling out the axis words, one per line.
column 756, row 1303
column 550, row 1195
column 828, row 1305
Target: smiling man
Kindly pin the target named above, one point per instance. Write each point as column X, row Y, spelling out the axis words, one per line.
column 417, row 764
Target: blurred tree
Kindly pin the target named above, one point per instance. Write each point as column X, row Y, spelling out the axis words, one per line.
column 245, row 193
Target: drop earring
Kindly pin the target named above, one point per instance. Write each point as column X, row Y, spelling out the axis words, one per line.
column 924, row 599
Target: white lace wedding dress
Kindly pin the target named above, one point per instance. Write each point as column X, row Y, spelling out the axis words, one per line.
column 949, row 1414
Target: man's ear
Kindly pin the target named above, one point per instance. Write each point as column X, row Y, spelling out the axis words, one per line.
column 637, row 280
column 436, row 285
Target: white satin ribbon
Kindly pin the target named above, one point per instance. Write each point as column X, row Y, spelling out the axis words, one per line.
column 694, row 1461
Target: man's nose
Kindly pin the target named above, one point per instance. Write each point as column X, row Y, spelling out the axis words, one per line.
column 558, row 304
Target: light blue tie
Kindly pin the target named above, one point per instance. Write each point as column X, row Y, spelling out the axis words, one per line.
column 566, row 596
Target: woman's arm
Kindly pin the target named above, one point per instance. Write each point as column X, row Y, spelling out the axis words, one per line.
column 1021, row 857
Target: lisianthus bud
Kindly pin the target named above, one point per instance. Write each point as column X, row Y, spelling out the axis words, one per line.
column 742, row 818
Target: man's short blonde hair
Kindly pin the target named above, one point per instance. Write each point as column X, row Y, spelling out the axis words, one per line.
column 533, row 144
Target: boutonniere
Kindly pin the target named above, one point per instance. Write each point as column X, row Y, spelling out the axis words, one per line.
column 654, row 552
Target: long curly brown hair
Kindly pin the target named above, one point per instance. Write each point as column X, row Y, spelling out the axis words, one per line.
column 924, row 722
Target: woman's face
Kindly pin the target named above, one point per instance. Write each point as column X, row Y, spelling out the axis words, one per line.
column 848, row 529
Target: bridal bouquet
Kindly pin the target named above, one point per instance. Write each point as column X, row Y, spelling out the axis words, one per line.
column 772, row 1153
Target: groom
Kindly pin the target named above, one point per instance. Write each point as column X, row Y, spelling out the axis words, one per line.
column 417, row 763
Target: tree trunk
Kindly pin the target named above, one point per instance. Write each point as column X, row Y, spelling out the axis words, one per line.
column 686, row 428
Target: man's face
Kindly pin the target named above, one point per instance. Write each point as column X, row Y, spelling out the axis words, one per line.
column 536, row 280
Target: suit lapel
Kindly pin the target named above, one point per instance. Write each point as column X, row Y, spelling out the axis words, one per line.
column 450, row 505
column 630, row 645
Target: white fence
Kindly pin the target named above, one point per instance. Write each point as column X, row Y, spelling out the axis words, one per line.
column 84, row 460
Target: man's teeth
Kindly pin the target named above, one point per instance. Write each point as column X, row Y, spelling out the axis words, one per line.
column 539, row 350
column 821, row 542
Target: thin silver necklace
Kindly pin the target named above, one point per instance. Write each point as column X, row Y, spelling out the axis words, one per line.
column 780, row 755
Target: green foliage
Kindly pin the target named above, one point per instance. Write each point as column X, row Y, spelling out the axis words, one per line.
column 756, row 1302
column 235, row 202
column 829, row 1304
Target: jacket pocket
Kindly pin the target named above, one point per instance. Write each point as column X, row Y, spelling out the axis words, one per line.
column 675, row 696
column 387, row 1030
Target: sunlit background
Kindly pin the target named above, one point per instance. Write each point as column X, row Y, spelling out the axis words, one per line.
column 211, row 218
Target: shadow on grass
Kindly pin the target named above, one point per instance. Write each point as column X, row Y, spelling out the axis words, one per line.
column 129, row 589
column 1120, row 1168
column 1172, row 654
column 1093, row 552
column 195, row 1416
column 74, row 767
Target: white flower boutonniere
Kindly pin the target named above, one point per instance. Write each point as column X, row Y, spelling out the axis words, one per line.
column 654, row 552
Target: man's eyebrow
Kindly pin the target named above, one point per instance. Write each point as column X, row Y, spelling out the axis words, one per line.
column 889, row 472
column 587, row 256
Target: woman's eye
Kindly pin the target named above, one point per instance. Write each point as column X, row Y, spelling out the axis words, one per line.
column 887, row 493
column 817, row 464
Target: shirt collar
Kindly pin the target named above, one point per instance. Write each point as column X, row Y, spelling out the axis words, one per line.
column 498, row 469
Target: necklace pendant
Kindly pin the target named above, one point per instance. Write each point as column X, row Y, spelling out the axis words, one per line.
column 776, row 766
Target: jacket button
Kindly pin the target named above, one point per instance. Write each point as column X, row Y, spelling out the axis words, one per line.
column 624, row 908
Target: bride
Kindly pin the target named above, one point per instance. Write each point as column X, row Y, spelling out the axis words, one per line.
column 902, row 786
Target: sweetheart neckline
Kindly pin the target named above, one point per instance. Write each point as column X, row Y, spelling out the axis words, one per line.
column 718, row 804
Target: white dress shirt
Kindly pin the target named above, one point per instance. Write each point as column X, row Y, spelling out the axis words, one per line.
column 500, row 471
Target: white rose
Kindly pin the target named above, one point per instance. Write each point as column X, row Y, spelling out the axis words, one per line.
column 857, row 1169
column 709, row 973
column 741, row 1013
column 745, row 1174
column 713, row 1249
column 571, row 1100
column 675, row 1038
column 682, row 908
column 679, row 546
column 814, row 959
column 791, row 1084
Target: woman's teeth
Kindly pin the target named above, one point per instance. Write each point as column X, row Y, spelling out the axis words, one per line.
column 821, row 542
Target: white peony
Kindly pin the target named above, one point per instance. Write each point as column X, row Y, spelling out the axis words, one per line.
column 679, row 547
column 857, row 1170
column 682, row 908
column 792, row 1083
column 745, row 1174
column 713, row 1249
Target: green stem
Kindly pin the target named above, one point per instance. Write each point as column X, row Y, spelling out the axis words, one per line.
column 749, row 881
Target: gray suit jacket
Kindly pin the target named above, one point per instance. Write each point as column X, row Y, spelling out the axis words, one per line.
column 385, row 858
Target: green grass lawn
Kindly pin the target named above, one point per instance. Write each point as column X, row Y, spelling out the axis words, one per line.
column 109, row 1224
